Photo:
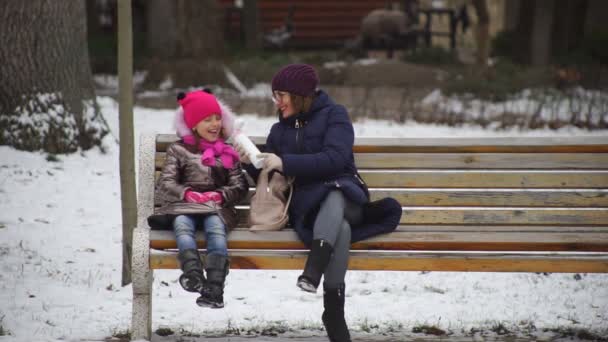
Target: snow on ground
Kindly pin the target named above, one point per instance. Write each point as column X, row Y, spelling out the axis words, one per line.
column 60, row 259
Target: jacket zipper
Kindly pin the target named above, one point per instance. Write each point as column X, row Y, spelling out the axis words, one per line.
column 297, row 131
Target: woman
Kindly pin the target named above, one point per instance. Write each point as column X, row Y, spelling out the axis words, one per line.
column 330, row 208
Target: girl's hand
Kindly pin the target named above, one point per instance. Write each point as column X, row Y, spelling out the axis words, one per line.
column 197, row 197
column 214, row 196
column 193, row 196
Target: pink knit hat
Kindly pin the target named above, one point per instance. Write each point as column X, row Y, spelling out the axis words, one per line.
column 228, row 117
column 197, row 105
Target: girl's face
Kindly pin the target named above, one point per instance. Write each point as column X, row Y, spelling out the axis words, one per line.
column 210, row 128
column 284, row 103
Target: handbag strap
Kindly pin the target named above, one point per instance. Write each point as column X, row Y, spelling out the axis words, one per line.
column 290, row 181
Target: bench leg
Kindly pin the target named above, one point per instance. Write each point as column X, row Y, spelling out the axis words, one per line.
column 141, row 319
column 141, row 322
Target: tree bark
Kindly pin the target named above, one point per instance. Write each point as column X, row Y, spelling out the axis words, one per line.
column 595, row 18
column 47, row 101
column 127, row 154
column 252, row 24
column 185, row 29
column 161, row 35
column 483, row 32
column 511, row 14
column 541, row 32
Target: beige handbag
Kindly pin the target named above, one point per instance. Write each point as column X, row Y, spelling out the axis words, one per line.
column 270, row 202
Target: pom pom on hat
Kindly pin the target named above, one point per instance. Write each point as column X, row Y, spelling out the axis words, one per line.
column 297, row 79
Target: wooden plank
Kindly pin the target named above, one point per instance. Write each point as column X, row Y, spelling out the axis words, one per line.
column 486, row 198
column 469, row 161
column 458, row 145
column 495, row 198
column 483, row 179
column 403, row 240
column 490, row 216
column 523, row 216
column 481, row 161
column 460, row 262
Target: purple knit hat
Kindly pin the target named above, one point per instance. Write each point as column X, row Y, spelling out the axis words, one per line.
column 297, row 79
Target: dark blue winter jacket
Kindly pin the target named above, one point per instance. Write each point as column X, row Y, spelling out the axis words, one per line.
column 317, row 149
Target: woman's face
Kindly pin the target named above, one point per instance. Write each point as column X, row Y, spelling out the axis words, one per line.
column 282, row 100
column 209, row 128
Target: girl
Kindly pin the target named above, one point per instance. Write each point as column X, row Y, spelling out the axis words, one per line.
column 330, row 208
column 199, row 185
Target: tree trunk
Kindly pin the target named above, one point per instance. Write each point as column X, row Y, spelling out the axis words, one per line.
column 568, row 26
column 200, row 33
column 161, row 35
column 127, row 155
column 595, row 18
column 483, row 32
column 252, row 24
column 511, row 14
column 541, row 32
column 47, row 101
column 185, row 29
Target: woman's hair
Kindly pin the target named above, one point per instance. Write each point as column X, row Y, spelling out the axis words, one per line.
column 301, row 104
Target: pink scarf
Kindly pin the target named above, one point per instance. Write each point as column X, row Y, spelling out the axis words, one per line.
column 210, row 150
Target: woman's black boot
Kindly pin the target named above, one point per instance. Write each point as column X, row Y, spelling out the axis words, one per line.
column 333, row 315
column 212, row 294
column 192, row 278
column 318, row 258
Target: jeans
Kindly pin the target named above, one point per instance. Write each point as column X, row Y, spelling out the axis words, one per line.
column 185, row 226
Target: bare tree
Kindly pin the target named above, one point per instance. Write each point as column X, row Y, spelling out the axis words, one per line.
column 47, row 101
column 483, row 31
column 185, row 29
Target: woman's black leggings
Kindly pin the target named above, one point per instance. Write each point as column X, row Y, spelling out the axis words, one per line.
column 332, row 224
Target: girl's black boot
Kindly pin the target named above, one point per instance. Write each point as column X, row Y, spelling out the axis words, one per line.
column 212, row 294
column 193, row 277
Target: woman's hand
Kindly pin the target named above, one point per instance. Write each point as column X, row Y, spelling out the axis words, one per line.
column 271, row 161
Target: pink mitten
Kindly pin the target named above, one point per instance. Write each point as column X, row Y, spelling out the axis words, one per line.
column 193, row 196
column 214, row 196
column 197, row 197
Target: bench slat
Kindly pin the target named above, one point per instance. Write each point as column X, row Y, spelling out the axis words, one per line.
column 460, row 145
column 469, row 161
column 407, row 261
column 495, row 198
column 481, row 161
column 404, row 240
column 491, row 216
column 505, row 216
column 482, row 179
column 487, row 198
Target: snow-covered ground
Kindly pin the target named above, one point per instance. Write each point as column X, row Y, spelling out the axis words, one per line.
column 60, row 260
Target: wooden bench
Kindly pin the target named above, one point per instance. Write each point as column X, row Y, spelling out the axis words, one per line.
column 473, row 205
